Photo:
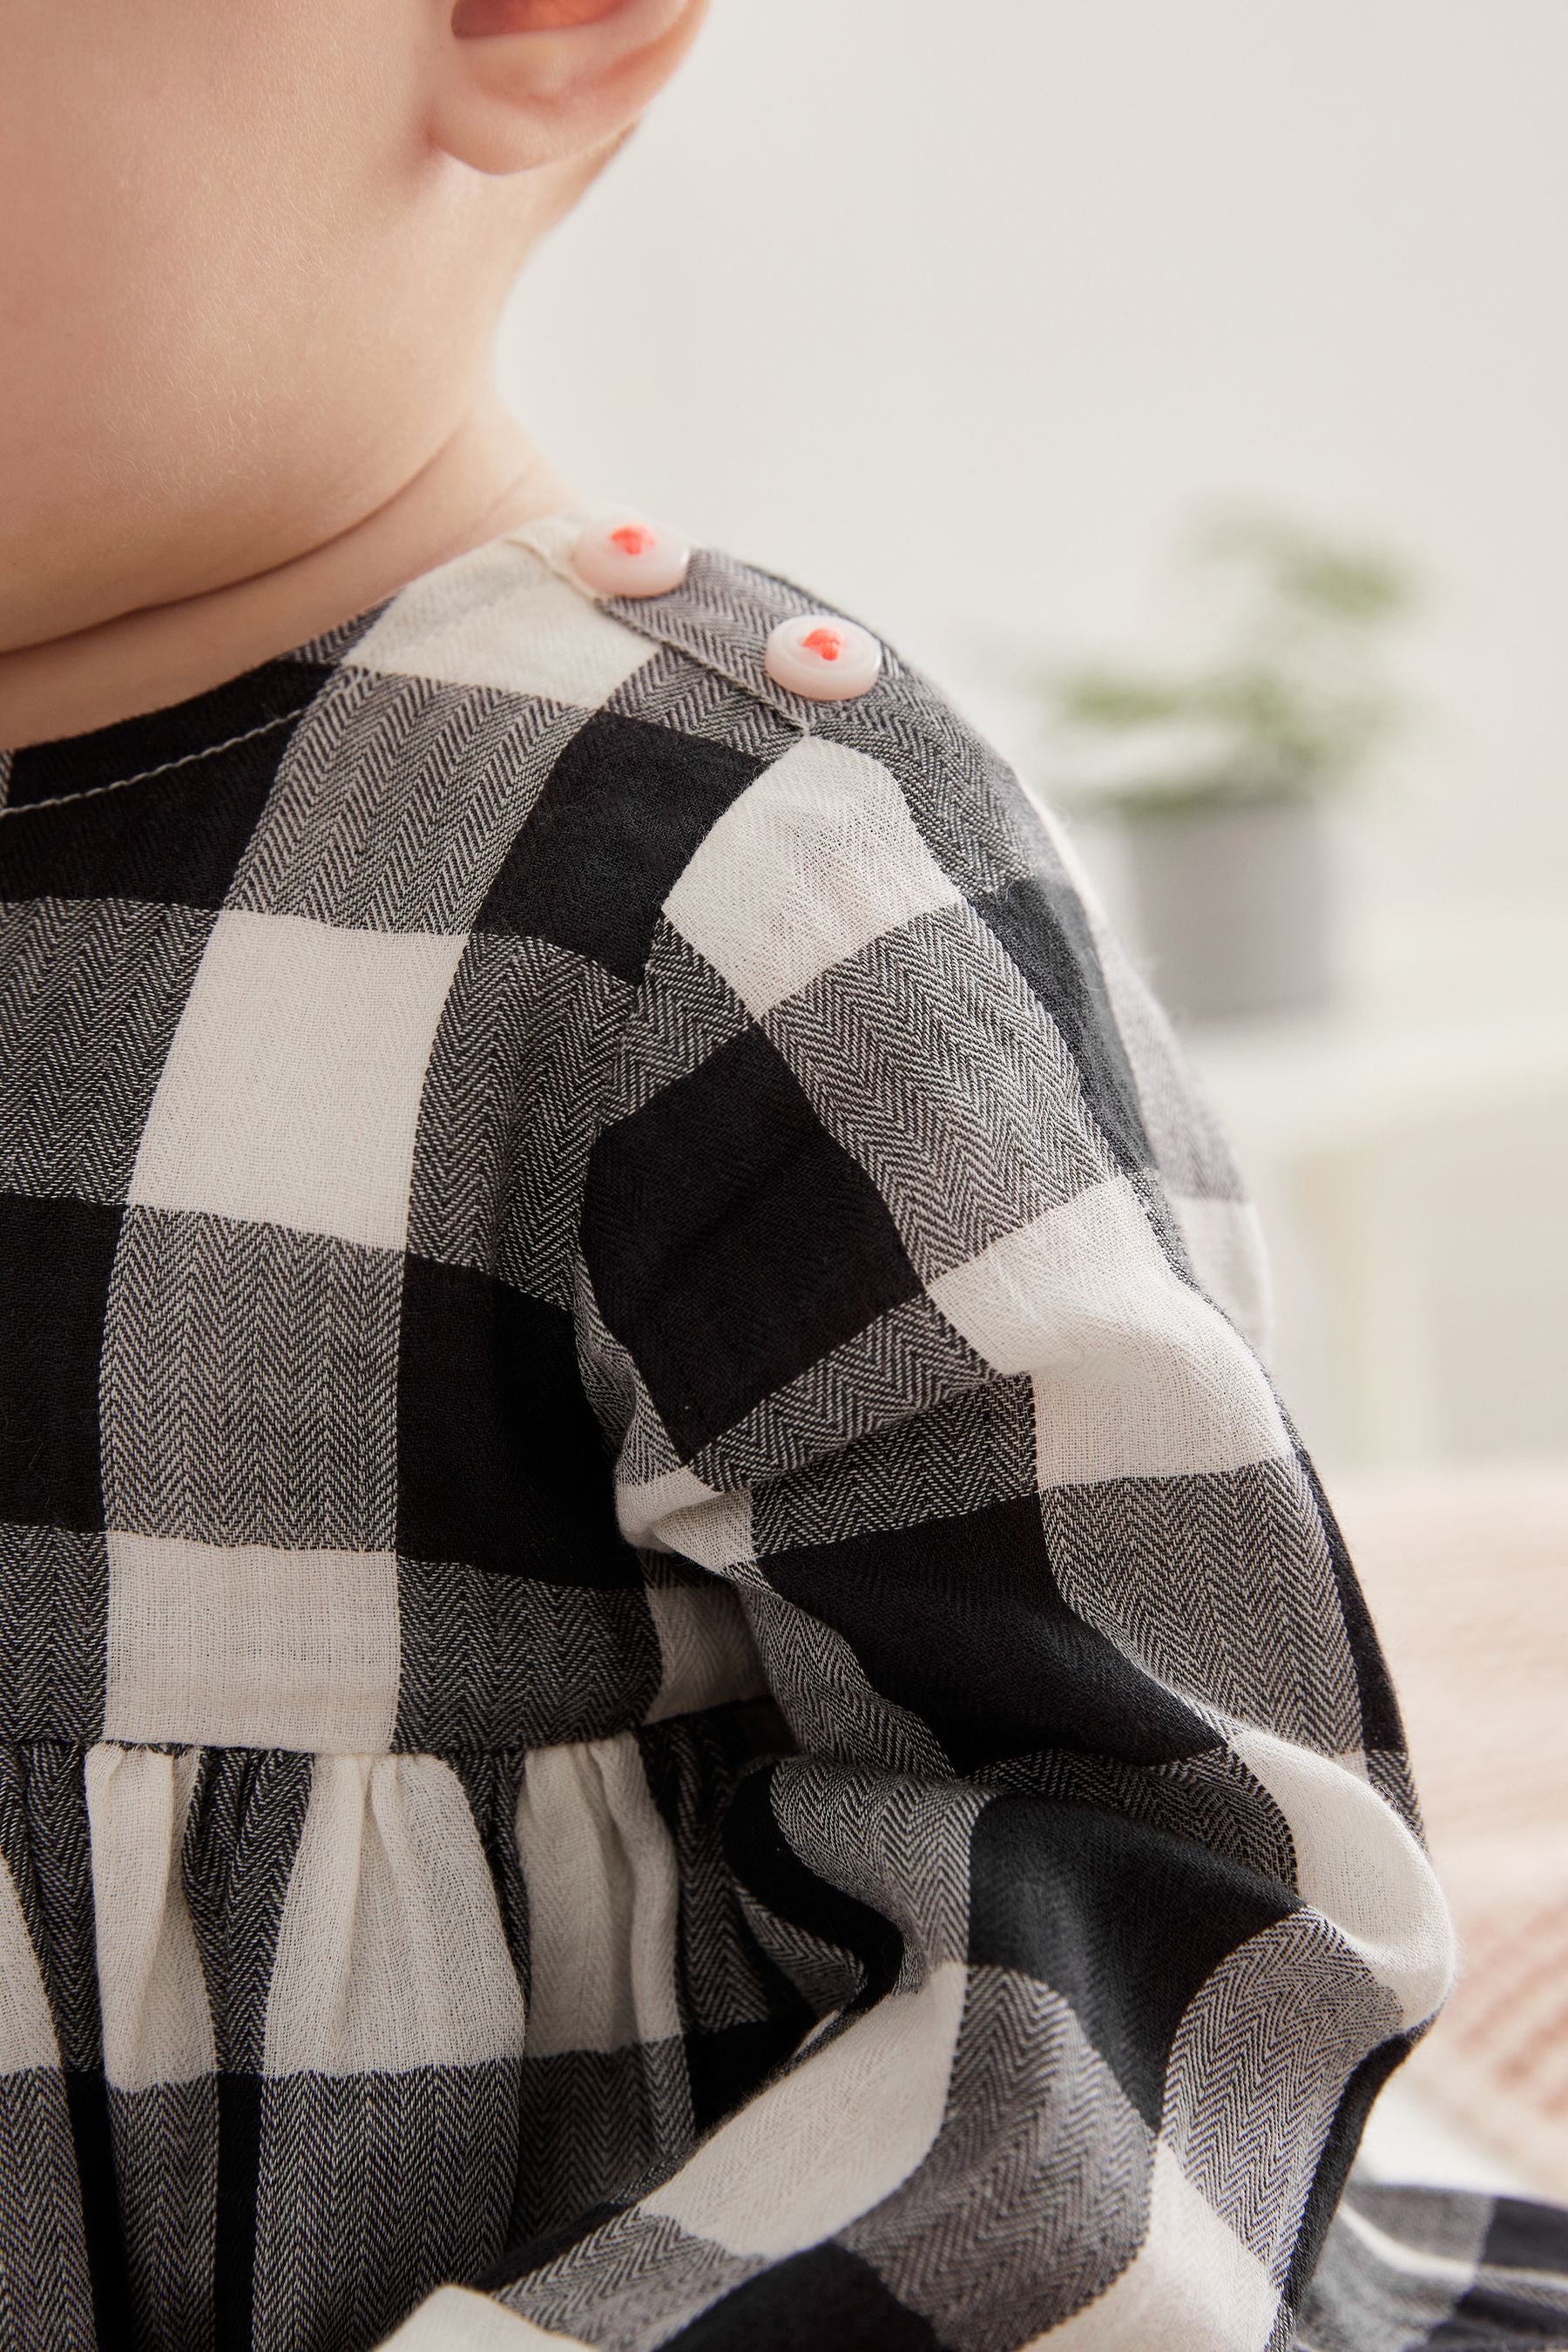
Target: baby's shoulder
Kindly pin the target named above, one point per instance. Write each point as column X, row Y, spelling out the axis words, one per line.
column 608, row 735
column 753, row 675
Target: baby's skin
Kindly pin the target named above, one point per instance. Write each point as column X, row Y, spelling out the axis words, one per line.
column 252, row 262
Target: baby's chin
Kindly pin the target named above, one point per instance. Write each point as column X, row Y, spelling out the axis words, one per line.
column 86, row 539
column 65, row 564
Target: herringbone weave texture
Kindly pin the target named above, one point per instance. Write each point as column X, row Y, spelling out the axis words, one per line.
column 671, row 1678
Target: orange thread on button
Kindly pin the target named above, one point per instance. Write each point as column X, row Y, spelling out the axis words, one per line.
column 634, row 538
column 827, row 643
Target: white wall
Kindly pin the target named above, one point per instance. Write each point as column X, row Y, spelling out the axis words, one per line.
column 959, row 308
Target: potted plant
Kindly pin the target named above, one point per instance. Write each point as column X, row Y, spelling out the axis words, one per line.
column 1219, row 772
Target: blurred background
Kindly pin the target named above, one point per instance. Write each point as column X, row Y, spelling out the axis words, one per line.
column 1183, row 382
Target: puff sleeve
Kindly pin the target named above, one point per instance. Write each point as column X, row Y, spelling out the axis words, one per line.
column 920, row 1307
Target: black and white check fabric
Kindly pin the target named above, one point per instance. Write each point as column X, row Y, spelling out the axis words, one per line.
column 670, row 1678
column 1414, row 2270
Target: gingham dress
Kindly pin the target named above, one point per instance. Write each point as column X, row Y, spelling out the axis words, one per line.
column 670, row 1676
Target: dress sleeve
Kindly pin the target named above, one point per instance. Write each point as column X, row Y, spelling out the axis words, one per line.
column 919, row 1305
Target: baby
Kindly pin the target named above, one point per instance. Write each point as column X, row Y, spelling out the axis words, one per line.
column 670, row 1676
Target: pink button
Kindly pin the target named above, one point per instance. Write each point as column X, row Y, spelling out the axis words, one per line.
column 823, row 657
column 627, row 556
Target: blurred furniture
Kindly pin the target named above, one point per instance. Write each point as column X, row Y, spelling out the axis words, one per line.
column 1449, row 1053
column 1466, row 1570
column 1409, row 1150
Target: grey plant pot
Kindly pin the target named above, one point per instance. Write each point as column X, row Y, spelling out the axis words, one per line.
column 1237, row 904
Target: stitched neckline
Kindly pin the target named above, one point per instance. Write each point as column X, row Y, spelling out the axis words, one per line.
column 198, row 727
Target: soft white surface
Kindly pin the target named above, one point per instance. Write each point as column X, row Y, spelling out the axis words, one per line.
column 1407, row 2140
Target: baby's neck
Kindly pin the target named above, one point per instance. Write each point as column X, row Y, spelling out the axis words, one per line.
column 487, row 478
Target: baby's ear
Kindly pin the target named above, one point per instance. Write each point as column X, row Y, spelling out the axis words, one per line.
column 525, row 82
